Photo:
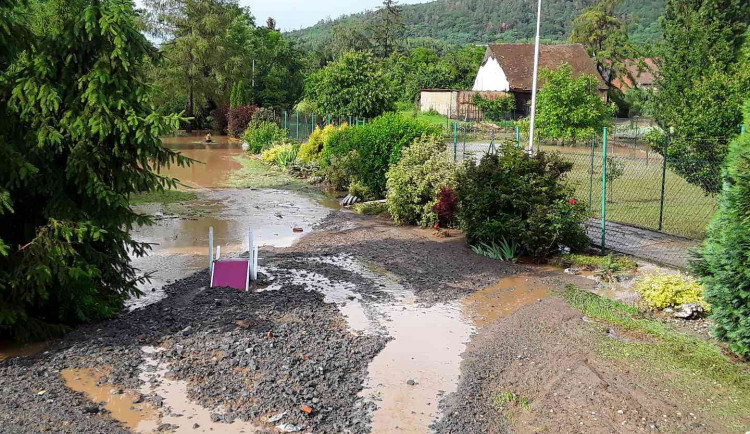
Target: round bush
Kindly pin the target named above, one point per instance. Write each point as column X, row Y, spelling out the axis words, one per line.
column 416, row 180
column 521, row 198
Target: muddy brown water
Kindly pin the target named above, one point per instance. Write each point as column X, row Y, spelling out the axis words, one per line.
column 423, row 360
column 214, row 160
column 127, row 406
column 180, row 242
column 9, row 351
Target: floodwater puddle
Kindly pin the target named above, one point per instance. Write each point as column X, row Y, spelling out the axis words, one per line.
column 216, row 159
column 127, row 406
column 8, row 351
column 180, row 244
column 504, row 298
column 421, row 361
column 138, row 417
column 178, row 410
column 342, row 294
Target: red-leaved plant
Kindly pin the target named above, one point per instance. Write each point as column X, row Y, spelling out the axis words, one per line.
column 445, row 206
column 239, row 118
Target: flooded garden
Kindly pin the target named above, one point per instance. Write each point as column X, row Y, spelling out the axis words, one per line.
column 355, row 325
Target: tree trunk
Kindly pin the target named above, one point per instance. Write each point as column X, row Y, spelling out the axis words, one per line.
column 190, row 108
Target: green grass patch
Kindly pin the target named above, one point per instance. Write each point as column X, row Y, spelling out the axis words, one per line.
column 509, row 398
column 715, row 382
column 431, row 119
column 371, row 208
column 256, row 174
column 635, row 197
column 594, row 262
column 162, row 197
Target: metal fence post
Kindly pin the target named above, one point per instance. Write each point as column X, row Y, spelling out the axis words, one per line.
column 455, row 141
column 298, row 126
column 604, row 189
column 285, row 120
column 663, row 183
column 591, row 175
column 518, row 137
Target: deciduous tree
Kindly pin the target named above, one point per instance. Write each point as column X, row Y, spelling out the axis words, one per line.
column 702, row 74
column 354, row 85
column 569, row 107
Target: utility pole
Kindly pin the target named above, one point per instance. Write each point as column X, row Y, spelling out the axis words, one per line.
column 536, row 75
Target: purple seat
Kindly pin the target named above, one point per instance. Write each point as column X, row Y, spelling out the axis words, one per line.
column 232, row 274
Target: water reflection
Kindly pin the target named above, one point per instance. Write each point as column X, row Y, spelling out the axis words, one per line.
column 181, row 243
column 216, row 159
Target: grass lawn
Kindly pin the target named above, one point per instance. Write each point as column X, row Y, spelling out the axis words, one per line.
column 715, row 382
column 432, row 119
column 635, row 197
column 256, row 174
column 164, row 197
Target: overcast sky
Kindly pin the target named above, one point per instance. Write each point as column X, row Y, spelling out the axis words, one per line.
column 293, row 14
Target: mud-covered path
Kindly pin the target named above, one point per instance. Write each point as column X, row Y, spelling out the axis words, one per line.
column 360, row 326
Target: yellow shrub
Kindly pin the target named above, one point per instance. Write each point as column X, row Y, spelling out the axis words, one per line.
column 669, row 290
column 311, row 151
column 271, row 155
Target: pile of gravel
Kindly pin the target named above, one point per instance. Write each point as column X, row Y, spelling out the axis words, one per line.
column 256, row 355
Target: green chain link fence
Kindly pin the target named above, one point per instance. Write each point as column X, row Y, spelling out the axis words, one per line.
column 648, row 207
column 299, row 126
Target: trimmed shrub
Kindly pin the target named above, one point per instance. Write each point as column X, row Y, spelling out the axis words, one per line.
column 378, row 144
column 521, row 198
column 313, row 149
column 342, row 170
column 670, row 290
column 724, row 262
column 239, row 118
column 415, row 181
column 262, row 135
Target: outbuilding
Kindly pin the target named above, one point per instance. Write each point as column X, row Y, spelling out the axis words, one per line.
column 510, row 68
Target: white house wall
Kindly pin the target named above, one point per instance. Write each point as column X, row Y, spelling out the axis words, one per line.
column 491, row 78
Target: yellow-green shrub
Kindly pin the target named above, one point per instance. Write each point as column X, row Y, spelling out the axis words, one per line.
column 273, row 154
column 669, row 290
column 313, row 149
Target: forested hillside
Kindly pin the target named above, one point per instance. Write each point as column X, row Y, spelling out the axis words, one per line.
column 485, row 21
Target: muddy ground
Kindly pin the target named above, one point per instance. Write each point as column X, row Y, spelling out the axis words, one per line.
column 360, row 326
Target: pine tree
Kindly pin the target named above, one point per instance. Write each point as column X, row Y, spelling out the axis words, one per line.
column 724, row 261
column 388, row 27
column 78, row 136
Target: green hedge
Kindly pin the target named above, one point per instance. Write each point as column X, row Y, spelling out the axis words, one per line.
column 378, row 144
